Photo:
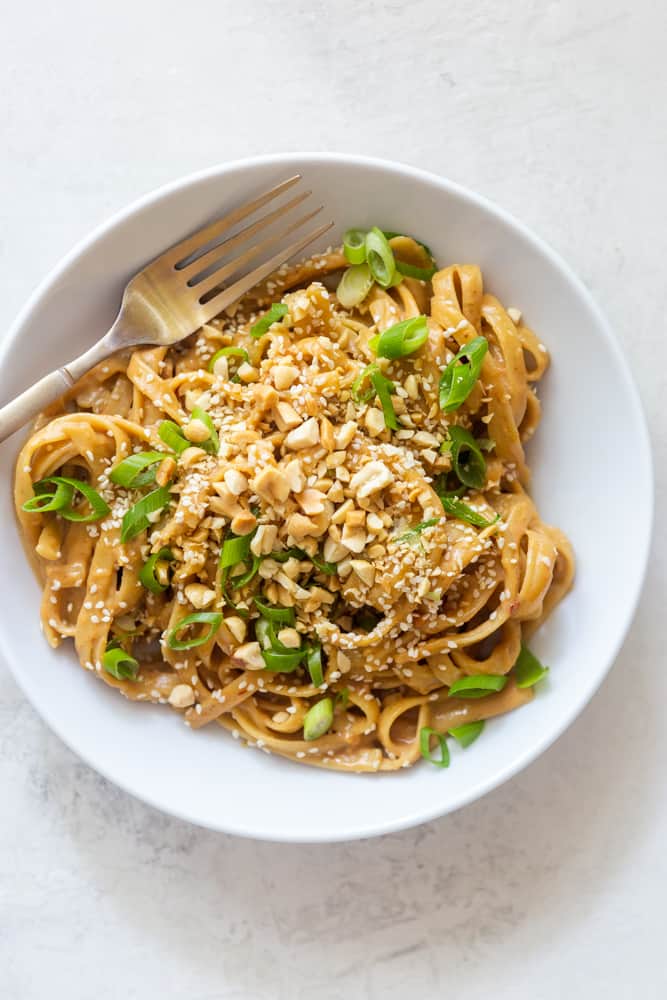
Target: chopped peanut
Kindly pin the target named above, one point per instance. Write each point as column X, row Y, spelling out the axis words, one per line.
column 271, row 486
column 343, row 435
column 290, row 638
column 165, row 471
column 199, row 595
column 300, row 526
column 305, row 436
column 285, row 416
column 181, row 696
column 243, row 522
column 250, row 655
column 196, row 431
column 311, row 501
column 371, row 478
column 284, row 376
column 364, row 571
column 265, row 539
column 237, row 627
column 247, row 373
column 374, row 421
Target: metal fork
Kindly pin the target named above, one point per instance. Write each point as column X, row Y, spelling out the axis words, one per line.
column 181, row 290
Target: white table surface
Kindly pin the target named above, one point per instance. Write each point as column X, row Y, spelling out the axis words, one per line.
column 554, row 885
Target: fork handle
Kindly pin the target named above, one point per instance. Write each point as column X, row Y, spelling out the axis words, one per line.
column 40, row 395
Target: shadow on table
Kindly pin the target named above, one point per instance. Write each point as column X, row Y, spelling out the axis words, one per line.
column 508, row 872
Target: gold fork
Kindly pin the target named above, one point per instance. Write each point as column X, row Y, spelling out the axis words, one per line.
column 181, row 290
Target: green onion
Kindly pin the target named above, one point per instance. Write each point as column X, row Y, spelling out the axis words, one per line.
column 328, row 568
column 229, row 352
column 45, row 500
column 358, row 396
column 235, row 550
column 274, row 613
column 119, row 664
column 392, row 236
column 458, row 379
column 275, row 313
column 413, row 534
column 465, row 513
column 212, row 443
column 147, row 576
column 477, row 686
column 211, row 618
column 137, row 518
column 354, row 245
column 425, row 734
column 528, row 670
column 384, row 388
column 401, row 339
column 318, row 719
column 380, row 257
column 354, row 286
column 173, row 436
column 282, row 555
column 410, row 271
column 282, row 663
column 237, row 582
column 467, row 733
column 61, row 499
column 467, row 460
column 314, row 664
column 342, row 697
column 136, row 470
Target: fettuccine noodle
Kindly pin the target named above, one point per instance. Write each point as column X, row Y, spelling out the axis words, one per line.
column 397, row 597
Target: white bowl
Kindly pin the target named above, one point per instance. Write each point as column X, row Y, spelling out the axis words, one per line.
column 592, row 478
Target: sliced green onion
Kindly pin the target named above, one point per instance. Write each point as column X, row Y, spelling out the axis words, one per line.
column 274, row 613
column 119, row 664
column 392, row 236
column 441, row 483
column 425, row 734
column 477, row 686
column 467, row 460
column 401, row 339
column 62, row 498
column 354, row 245
column 366, row 395
column 328, row 568
column 411, row 271
column 225, row 583
column 314, row 664
column 282, row 663
column 465, row 513
column 413, row 534
column 235, row 550
column 45, row 500
column 467, row 733
column 318, row 719
column 354, row 286
column 212, row 443
column 262, row 633
column 460, row 375
column 136, row 470
column 384, row 388
column 147, row 576
column 277, row 311
column 211, row 618
column 173, row 436
column 528, row 670
column 240, row 581
column 229, row 352
column 380, row 257
column 137, row 518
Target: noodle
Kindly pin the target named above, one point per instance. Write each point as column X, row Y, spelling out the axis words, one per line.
column 344, row 518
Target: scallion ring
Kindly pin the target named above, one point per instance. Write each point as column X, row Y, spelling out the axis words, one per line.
column 119, row 664
column 147, row 573
column 277, row 311
column 412, row 535
column 318, row 719
column 360, row 396
column 384, row 388
column 459, row 377
column 235, row 550
column 411, row 271
column 211, row 618
column 467, row 460
column 467, row 733
column 354, row 246
column 465, row 513
column 528, row 670
column 425, row 734
column 402, row 339
column 274, row 613
column 136, row 470
column 62, row 499
column 173, row 436
column 314, row 664
column 240, row 581
column 354, row 286
column 212, row 443
column 380, row 257
column 229, row 352
column 281, row 663
column 477, row 686
column 138, row 517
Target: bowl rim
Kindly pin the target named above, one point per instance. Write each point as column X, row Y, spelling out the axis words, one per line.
column 643, row 453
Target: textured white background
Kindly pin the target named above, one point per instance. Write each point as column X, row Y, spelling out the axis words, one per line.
column 553, row 886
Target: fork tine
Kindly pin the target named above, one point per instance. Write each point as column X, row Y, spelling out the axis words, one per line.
column 233, row 293
column 201, row 264
column 181, row 251
column 225, row 270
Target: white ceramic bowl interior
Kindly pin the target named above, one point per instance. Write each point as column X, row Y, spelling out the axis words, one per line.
column 591, row 416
